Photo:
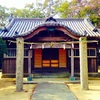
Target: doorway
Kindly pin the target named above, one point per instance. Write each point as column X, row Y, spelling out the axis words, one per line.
column 50, row 58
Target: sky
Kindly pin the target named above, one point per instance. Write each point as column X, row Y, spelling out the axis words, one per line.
column 17, row 3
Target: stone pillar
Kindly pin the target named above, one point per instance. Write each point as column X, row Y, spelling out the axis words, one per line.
column 19, row 64
column 83, row 63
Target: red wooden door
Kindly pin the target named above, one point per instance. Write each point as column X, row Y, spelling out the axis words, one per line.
column 62, row 58
column 38, row 58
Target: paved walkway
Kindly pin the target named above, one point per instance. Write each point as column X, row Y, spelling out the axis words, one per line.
column 52, row 91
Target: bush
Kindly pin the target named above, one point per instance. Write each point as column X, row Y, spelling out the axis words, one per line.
column 3, row 49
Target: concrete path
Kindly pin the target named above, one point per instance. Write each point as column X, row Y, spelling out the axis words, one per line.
column 52, row 91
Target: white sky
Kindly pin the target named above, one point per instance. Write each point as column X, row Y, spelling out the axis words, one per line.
column 17, row 3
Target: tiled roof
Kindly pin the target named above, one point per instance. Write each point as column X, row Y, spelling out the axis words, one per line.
column 25, row 26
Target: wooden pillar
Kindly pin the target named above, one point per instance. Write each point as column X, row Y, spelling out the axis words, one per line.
column 72, row 60
column 83, row 63
column 19, row 64
column 29, row 62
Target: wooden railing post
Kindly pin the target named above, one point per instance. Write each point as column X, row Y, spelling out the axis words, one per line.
column 72, row 63
column 29, row 65
column 72, row 60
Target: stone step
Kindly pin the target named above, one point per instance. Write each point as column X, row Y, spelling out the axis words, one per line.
column 51, row 75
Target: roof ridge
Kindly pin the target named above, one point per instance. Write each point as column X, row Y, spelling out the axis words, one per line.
column 71, row 18
column 9, row 25
column 29, row 18
column 46, row 18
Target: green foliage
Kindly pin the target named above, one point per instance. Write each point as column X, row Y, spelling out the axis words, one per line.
column 73, row 2
column 93, row 10
column 45, row 4
column 95, row 19
column 49, row 7
column 63, row 9
column 83, row 12
column 3, row 11
column 28, row 12
column 3, row 15
column 81, row 9
column 29, row 6
column 3, row 49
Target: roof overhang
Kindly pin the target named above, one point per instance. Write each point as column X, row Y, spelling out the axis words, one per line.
column 45, row 26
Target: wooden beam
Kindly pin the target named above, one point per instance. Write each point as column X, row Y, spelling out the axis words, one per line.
column 83, row 63
column 19, row 64
column 68, row 32
column 49, row 39
column 51, row 45
column 66, row 42
column 35, row 32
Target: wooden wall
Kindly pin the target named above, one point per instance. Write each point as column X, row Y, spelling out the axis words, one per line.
column 9, row 65
column 92, row 65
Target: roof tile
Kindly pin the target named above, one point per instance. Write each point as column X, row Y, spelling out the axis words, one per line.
column 24, row 26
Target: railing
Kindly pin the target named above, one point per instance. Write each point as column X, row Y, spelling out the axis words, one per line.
column 12, row 53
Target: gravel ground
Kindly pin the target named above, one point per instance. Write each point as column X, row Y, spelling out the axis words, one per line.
column 92, row 94
column 7, row 90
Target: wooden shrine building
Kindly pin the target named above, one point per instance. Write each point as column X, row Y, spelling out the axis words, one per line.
column 50, row 44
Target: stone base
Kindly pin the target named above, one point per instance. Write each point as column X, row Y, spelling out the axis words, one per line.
column 30, row 78
column 72, row 78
